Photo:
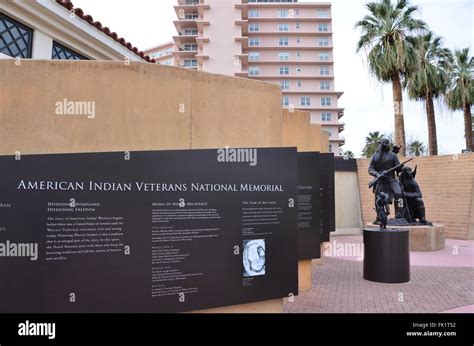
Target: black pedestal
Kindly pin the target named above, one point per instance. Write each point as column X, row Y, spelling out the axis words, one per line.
column 386, row 255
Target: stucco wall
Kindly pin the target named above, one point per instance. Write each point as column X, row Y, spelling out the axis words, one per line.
column 447, row 184
column 138, row 107
column 348, row 211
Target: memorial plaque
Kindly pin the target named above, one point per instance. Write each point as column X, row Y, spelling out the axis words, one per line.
column 158, row 231
column 328, row 206
column 309, row 213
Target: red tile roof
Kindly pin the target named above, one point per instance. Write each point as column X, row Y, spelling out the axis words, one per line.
column 78, row 12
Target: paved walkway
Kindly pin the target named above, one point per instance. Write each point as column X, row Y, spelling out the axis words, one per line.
column 441, row 281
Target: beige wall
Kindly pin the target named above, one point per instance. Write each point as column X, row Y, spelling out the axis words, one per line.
column 447, row 184
column 348, row 211
column 296, row 129
column 137, row 108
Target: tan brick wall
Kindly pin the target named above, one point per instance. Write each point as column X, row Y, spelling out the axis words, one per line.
column 447, row 184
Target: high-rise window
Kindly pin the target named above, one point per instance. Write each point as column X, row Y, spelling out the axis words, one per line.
column 254, row 41
column 323, row 28
column 324, row 42
column 324, row 71
column 254, row 71
column 324, row 85
column 298, row 25
column 283, row 13
column 285, row 85
column 298, row 54
column 325, row 101
column 190, row 63
column 254, row 27
column 254, row 56
column 283, row 41
column 299, row 83
column 298, row 69
column 305, row 101
column 324, row 56
column 285, row 70
column 298, row 40
column 326, row 116
column 283, row 27
column 285, row 101
column 16, row 40
column 283, row 56
column 322, row 14
column 254, row 14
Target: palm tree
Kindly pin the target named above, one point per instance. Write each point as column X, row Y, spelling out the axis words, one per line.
column 371, row 143
column 348, row 154
column 416, row 148
column 461, row 92
column 390, row 55
column 429, row 80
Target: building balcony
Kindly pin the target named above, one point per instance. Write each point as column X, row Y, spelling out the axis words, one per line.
column 201, row 57
column 312, row 5
column 341, row 127
column 195, row 8
column 320, row 108
column 244, row 59
column 313, row 92
column 295, row 19
column 291, row 48
column 294, row 77
column 290, row 62
column 185, row 53
column 189, row 66
column 185, row 24
column 200, row 41
column 277, row 33
column 201, row 24
column 241, row 74
column 188, row 2
column 243, row 40
column 185, row 39
column 340, row 140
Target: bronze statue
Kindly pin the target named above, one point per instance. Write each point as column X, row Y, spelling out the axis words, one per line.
column 383, row 165
column 395, row 182
column 415, row 207
column 382, row 208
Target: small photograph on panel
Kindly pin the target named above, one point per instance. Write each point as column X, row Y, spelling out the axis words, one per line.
column 254, row 257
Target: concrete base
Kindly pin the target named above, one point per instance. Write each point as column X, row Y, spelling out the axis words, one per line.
column 319, row 261
column 268, row 306
column 424, row 238
column 304, row 275
column 347, row 231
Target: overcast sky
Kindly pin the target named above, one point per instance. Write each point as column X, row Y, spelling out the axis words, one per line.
column 367, row 103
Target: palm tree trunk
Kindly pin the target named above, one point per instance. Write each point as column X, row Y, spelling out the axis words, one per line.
column 430, row 116
column 398, row 110
column 468, row 126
